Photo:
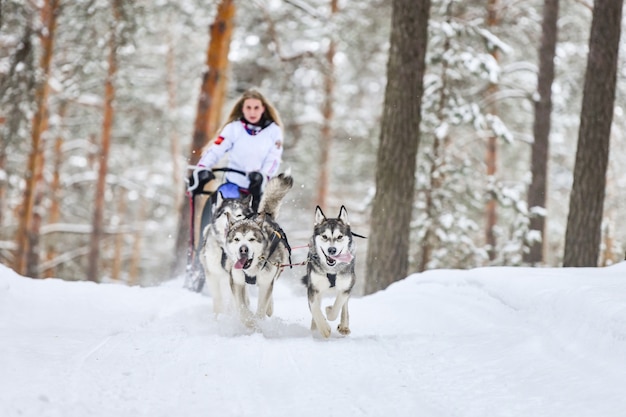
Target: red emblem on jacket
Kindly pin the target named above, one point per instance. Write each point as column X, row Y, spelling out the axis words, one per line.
column 219, row 140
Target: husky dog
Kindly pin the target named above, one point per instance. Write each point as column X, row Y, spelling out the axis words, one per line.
column 216, row 265
column 330, row 270
column 258, row 250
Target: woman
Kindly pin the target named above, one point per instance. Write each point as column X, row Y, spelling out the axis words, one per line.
column 253, row 138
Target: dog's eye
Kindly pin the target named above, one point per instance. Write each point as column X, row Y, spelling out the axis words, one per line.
column 236, row 239
column 340, row 237
column 252, row 239
column 325, row 238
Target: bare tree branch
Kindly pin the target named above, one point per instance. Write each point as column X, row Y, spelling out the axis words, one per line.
column 310, row 10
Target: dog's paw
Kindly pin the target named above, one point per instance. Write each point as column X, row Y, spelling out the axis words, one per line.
column 344, row 330
column 249, row 321
column 247, row 318
column 324, row 329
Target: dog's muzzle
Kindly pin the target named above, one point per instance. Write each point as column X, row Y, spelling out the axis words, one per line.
column 333, row 257
column 330, row 260
column 245, row 260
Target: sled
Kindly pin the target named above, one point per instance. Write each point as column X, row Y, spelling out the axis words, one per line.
column 201, row 204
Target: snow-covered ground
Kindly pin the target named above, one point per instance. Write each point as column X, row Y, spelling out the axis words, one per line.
column 485, row 342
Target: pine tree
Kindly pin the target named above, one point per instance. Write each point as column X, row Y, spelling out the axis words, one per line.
column 583, row 235
column 537, row 191
column 388, row 250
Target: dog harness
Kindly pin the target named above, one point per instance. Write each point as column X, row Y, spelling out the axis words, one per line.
column 332, row 278
column 249, row 279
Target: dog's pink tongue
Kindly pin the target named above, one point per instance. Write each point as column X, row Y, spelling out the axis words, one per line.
column 239, row 264
column 343, row 257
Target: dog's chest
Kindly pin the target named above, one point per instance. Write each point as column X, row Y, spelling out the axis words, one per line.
column 331, row 282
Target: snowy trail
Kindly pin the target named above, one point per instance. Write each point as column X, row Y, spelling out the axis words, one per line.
column 485, row 342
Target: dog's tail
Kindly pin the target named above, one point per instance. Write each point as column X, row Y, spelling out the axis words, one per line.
column 275, row 191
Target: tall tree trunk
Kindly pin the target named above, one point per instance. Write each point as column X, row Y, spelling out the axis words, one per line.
column 326, row 138
column 107, row 124
column 209, row 107
column 388, row 249
column 584, row 222
column 537, row 190
column 54, row 214
column 24, row 237
column 213, row 77
column 219, row 96
column 491, row 157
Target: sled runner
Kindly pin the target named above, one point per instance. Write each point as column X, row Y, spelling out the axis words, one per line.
column 202, row 199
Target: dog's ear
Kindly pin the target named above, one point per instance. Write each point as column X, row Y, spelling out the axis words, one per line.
column 343, row 215
column 230, row 219
column 219, row 199
column 319, row 215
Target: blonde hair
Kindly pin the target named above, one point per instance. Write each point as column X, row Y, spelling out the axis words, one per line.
column 237, row 112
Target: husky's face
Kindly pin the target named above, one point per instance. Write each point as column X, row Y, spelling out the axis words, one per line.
column 244, row 243
column 332, row 238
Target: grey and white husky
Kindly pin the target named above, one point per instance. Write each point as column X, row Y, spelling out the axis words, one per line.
column 215, row 264
column 257, row 250
column 330, row 270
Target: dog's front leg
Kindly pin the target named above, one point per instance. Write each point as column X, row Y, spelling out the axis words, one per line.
column 215, row 271
column 315, row 301
column 344, row 323
column 270, row 306
column 265, row 304
column 340, row 300
column 215, row 279
column 241, row 302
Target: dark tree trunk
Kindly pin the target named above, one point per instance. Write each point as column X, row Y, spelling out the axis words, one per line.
column 209, row 107
column 388, row 249
column 583, row 234
column 537, row 190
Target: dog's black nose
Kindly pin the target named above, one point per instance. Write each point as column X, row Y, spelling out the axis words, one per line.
column 243, row 251
column 332, row 250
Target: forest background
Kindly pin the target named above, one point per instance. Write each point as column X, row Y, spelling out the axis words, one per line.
column 120, row 84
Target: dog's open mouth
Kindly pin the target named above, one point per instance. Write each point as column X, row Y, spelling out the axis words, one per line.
column 243, row 263
column 331, row 260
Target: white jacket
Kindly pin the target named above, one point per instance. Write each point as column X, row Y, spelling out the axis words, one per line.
column 261, row 152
